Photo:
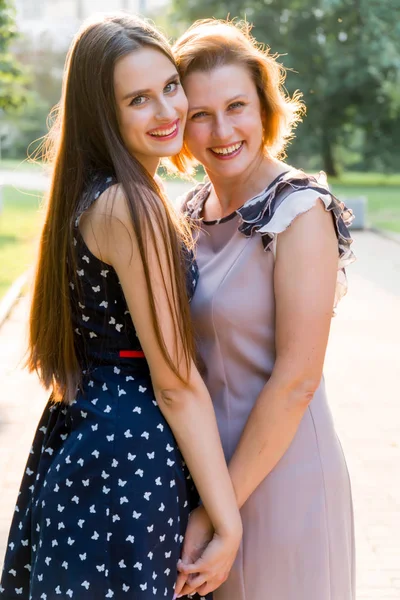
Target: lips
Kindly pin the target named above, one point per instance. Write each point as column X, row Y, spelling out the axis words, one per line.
column 166, row 132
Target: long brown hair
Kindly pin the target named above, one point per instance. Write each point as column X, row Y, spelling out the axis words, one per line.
column 212, row 43
column 85, row 140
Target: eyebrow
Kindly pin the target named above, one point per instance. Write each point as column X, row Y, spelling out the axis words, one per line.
column 148, row 90
column 228, row 102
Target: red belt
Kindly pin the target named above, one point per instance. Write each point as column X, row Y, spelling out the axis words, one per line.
column 131, row 354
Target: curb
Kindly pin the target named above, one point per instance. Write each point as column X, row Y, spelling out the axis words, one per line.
column 389, row 235
column 12, row 296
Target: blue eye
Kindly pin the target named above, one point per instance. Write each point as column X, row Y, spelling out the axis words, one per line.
column 199, row 114
column 171, row 87
column 236, row 105
column 138, row 101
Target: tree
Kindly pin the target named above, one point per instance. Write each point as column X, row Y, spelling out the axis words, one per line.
column 42, row 58
column 344, row 57
column 12, row 80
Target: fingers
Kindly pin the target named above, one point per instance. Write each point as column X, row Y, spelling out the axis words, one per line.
column 211, row 585
column 200, row 585
column 180, row 583
column 192, row 585
column 209, row 571
column 198, row 567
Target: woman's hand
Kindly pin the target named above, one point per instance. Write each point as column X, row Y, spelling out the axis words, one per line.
column 207, row 556
column 199, row 533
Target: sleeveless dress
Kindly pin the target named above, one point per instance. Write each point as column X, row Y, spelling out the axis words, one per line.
column 105, row 497
column 298, row 541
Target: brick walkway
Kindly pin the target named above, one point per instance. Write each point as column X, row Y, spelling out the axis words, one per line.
column 363, row 380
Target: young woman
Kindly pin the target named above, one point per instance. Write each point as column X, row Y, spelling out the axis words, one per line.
column 105, row 497
column 271, row 251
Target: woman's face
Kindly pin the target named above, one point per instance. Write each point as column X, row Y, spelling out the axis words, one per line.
column 151, row 105
column 224, row 129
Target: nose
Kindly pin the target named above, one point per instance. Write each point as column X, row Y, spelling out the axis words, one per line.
column 222, row 129
column 165, row 110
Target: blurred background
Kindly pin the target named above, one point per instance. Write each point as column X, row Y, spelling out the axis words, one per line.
column 344, row 56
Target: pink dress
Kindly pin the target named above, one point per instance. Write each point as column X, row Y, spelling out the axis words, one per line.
column 298, row 541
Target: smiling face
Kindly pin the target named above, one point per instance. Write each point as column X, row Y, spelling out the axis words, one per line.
column 151, row 105
column 224, row 129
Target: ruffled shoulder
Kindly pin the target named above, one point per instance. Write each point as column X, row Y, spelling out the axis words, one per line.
column 275, row 208
column 296, row 192
column 191, row 203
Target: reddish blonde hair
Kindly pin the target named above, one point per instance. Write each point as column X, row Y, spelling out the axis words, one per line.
column 212, row 43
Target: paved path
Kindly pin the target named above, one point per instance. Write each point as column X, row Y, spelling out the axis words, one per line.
column 38, row 180
column 363, row 379
column 24, row 179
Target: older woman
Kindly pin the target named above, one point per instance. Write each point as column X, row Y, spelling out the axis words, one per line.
column 271, row 250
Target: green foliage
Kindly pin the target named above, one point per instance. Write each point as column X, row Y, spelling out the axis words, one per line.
column 344, row 56
column 25, row 126
column 12, row 79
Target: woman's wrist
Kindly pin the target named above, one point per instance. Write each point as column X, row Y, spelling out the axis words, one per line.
column 232, row 529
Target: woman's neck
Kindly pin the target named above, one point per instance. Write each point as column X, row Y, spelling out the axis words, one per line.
column 150, row 163
column 229, row 194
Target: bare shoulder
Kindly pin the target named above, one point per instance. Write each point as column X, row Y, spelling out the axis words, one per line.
column 310, row 228
column 107, row 225
column 111, row 203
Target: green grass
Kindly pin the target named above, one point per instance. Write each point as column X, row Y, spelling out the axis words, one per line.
column 20, row 165
column 354, row 178
column 20, row 222
column 383, row 203
column 382, row 193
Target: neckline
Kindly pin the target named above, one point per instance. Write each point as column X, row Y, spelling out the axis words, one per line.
column 233, row 214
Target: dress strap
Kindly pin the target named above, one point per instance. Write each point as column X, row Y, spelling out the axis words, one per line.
column 98, row 184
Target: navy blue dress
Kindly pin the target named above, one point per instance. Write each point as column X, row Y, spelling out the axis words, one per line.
column 105, row 497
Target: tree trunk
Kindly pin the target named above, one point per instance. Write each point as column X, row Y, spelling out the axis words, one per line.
column 327, row 155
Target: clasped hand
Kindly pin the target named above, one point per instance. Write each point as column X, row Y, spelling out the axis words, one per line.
column 207, row 556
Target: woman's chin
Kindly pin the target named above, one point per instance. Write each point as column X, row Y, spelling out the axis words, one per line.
column 171, row 148
column 226, row 169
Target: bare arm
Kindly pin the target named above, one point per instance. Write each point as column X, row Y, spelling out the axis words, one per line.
column 186, row 407
column 305, row 278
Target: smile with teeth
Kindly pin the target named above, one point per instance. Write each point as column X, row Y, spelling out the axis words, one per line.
column 227, row 150
column 165, row 132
